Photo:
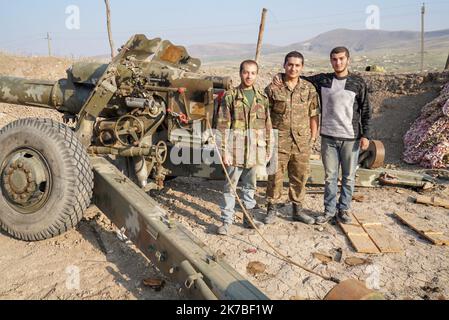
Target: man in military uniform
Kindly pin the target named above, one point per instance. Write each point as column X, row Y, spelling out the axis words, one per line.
column 244, row 125
column 294, row 109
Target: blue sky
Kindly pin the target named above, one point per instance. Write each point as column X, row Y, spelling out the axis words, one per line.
column 24, row 23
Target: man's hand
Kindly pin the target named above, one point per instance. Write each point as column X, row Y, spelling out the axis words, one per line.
column 364, row 144
column 277, row 80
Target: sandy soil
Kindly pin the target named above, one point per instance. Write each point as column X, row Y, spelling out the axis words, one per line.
column 421, row 271
column 111, row 269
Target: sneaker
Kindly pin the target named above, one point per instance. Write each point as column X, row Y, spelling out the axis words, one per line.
column 325, row 218
column 299, row 215
column 343, row 216
column 271, row 213
column 223, row 229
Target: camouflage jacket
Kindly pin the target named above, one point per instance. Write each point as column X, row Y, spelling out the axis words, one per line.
column 245, row 129
column 291, row 109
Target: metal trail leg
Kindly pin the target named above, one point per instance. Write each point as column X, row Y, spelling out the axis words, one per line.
column 171, row 247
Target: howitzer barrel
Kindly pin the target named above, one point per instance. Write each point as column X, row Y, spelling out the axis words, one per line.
column 60, row 95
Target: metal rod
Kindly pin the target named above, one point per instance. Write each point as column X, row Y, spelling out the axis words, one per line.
column 162, row 89
column 123, row 152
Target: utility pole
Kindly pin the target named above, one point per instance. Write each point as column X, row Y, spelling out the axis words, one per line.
column 446, row 67
column 108, row 22
column 423, row 11
column 261, row 31
column 49, row 44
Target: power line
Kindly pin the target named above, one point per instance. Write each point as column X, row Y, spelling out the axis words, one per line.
column 251, row 24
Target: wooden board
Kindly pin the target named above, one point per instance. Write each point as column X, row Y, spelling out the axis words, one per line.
column 433, row 201
column 434, row 236
column 359, row 238
column 377, row 233
column 383, row 239
column 365, row 218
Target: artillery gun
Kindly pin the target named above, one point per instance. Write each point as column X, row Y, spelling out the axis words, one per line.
column 124, row 117
column 128, row 110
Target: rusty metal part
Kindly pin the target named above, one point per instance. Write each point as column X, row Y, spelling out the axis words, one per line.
column 123, row 152
column 26, row 180
column 158, row 152
column 107, row 137
column 171, row 247
column 398, row 178
column 159, row 177
column 161, row 152
column 129, row 130
column 352, row 289
column 388, row 179
column 220, row 82
column 374, row 156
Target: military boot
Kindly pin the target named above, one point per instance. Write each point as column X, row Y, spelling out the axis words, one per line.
column 299, row 215
column 325, row 218
column 271, row 213
column 343, row 216
column 248, row 225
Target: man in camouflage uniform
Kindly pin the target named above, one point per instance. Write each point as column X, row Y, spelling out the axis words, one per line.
column 294, row 108
column 244, row 125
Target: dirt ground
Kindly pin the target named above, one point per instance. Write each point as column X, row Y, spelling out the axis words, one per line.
column 90, row 262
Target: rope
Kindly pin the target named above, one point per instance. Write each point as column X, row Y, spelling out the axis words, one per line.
column 277, row 252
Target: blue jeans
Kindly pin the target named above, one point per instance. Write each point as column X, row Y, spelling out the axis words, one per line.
column 336, row 153
column 248, row 181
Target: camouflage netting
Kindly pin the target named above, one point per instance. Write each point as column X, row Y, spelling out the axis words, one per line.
column 427, row 141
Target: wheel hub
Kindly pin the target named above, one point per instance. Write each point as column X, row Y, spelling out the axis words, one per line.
column 25, row 180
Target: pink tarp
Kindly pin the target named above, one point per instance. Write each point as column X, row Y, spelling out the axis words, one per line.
column 427, row 141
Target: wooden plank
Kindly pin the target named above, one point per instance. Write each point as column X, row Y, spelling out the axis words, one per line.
column 439, row 239
column 377, row 232
column 359, row 238
column 436, row 237
column 383, row 239
column 353, row 230
column 412, row 221
column 433, row 201
column 365, row 218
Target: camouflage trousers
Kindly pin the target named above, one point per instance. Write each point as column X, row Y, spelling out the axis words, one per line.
column 296, row 162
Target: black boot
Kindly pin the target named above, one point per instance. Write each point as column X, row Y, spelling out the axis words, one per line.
column 325, row 218
column 299, row 215
column 343, row 216
column 248, row 225
column 271, row 213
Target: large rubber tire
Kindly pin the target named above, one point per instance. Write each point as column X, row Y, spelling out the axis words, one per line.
column 71, row 178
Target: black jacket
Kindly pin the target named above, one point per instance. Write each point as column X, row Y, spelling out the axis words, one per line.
column 338, row 96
